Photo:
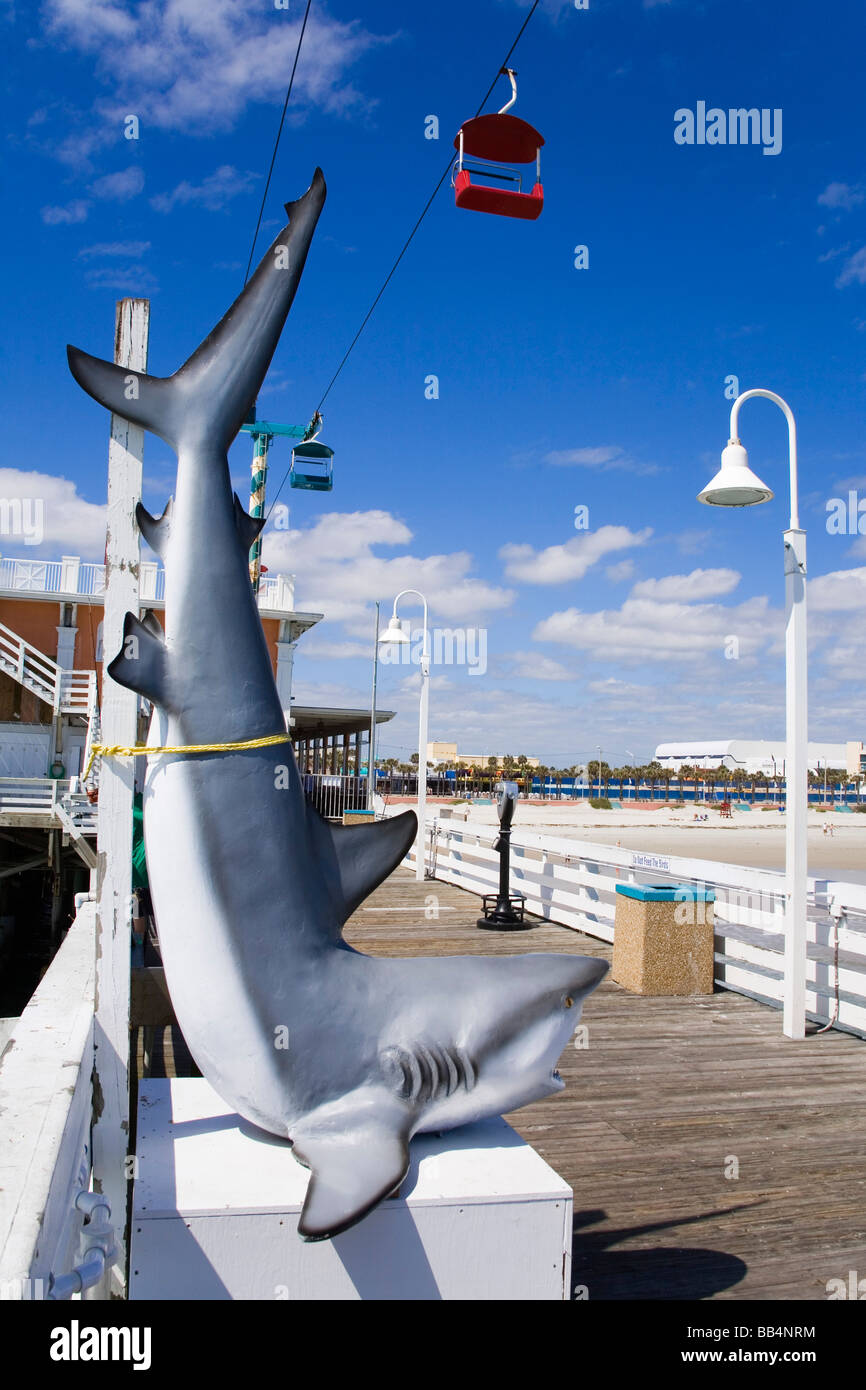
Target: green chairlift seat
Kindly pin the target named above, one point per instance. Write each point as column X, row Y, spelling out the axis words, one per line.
column 312, row 466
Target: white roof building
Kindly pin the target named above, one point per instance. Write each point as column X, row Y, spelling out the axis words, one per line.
column 756, row 756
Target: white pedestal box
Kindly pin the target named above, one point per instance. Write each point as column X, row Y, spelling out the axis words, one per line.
column 479, row 1216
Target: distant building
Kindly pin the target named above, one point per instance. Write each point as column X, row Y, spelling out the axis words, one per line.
column 754, row 756
column 446, row 753
column 856, row 759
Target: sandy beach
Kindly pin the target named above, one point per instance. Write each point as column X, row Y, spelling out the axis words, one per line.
column 754, row 838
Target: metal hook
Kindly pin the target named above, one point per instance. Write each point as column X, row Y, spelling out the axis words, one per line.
column 512, row 75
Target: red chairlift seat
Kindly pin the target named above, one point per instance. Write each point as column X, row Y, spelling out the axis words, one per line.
column 499, row 140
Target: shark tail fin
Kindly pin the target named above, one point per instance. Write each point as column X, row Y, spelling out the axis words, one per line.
column 210, row 396
column 148, row 401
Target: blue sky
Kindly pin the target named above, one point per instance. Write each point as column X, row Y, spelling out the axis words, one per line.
column 558, row 387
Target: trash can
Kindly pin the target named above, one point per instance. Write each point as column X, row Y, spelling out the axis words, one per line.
column 663, row 938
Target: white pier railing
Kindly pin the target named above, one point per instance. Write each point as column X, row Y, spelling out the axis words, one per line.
column 72, row 578
column 46, row 1103
column 573, row 883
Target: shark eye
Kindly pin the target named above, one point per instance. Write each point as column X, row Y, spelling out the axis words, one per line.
column 568, row 1001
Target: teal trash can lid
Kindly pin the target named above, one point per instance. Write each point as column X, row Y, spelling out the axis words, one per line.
column 666, row 892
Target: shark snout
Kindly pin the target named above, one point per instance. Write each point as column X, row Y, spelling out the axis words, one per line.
column 589, row 971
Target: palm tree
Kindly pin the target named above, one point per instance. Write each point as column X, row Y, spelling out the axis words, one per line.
column 688, row 773
column 653, row 771
column 628, row 773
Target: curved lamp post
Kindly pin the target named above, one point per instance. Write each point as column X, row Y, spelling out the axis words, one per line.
column 395, row 633
column 735, row 485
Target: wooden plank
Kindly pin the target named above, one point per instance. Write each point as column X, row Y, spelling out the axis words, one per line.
column 116, row 785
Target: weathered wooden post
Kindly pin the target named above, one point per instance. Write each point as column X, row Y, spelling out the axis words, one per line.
column 116, row 786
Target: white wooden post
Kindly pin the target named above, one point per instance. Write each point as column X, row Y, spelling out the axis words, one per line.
column 116, row 786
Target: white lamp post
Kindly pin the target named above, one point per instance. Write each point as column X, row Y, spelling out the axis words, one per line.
column 395, row 633
column 735, row 485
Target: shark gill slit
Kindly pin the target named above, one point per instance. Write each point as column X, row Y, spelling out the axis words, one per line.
column 425, row 1072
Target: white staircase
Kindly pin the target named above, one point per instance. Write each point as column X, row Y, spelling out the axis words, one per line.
column 67, row 692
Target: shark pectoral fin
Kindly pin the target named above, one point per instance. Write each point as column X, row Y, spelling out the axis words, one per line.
column 149, row 401
column 351, row 1169
column 249, row 527
column 155, row 529
column 367, row 854
column 140, row 665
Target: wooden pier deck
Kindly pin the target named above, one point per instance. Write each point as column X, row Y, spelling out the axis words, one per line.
column 670, row 1096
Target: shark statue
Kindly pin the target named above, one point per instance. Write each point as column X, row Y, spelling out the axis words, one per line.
column 344, row 1054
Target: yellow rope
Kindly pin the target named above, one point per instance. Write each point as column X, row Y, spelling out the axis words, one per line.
column 118, row 750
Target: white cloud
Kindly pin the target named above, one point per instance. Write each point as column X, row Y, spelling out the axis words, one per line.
column 213, row 193
column 338, row 572
column 130, row 280
column 195, row 67
column 606, row 457
column 132, row 250
column 620, row 572
column 693, row 542
column 853, row 271
column 535, row 666
column 70, row 524
column 688, row 588
column 120, row 186
column 648, row 632
column 842, row 195
column 76, row 211
column 834, row 253
column 560, row 563
column 321, row 650
column 841, row 591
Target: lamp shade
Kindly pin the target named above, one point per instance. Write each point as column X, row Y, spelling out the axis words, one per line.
column 735, row 485
column 394, row 631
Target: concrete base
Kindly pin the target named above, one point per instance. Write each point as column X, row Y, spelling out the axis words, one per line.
column 216, row 1203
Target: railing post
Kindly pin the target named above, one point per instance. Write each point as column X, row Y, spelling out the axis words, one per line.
column 70, row 567
column 148, row 571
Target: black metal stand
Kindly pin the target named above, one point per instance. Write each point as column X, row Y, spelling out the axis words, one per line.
column 503, row 911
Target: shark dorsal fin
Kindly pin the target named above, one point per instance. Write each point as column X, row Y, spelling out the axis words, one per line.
column 364, row 855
